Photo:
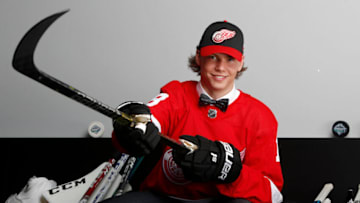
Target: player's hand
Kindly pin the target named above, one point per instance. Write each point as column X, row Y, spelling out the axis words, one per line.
column 134, row 140
column 212, row 161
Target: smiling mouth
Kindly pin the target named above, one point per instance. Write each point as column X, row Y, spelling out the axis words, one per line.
column 219, row 77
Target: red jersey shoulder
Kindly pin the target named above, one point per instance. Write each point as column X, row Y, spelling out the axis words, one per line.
column 171, row 85
column 258, row 107
column 179, row 91
column 175, row 93
column 178, row 87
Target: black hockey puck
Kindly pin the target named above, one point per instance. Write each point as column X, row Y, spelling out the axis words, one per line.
column 340, row 129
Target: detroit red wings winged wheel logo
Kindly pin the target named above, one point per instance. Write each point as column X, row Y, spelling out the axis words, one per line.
column 172, row 171
column 222, row 35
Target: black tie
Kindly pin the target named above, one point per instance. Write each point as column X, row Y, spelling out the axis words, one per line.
column 222, row 104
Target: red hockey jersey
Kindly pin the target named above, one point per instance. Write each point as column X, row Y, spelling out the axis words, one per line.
column 247, row 123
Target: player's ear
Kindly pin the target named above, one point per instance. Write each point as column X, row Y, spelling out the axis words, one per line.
column 197, row 57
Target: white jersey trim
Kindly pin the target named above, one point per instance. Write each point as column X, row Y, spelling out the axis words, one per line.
column 155, row 101
column 276, row 196
column 156, row 123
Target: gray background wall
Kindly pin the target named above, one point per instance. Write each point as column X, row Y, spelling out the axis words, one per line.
column 303, row 58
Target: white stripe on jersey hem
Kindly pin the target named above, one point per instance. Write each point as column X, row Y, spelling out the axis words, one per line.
column 276, row 196
column 232, row 95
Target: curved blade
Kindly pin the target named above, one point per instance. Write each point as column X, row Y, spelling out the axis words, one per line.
column 23, row 60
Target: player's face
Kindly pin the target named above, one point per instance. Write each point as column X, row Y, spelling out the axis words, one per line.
column 218, row 72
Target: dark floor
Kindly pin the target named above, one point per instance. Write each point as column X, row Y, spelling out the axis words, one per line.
column 307, row 163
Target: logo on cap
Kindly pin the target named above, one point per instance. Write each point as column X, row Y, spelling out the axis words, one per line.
column 222, row 35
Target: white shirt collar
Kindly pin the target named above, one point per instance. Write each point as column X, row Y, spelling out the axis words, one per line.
column 232, row 95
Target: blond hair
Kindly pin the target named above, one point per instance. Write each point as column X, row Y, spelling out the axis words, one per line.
column 196, row 68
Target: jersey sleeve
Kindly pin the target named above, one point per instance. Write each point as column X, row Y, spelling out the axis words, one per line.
column 165, row 105
column 261, row 177
column 163, row 108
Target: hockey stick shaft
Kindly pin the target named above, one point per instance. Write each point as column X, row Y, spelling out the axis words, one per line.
column 107, row 168
column 127, row 171
column 23, row 61
column 98, row 106
column 103, row 187
column 96, row 182
column 117, row 181
column 124, row 176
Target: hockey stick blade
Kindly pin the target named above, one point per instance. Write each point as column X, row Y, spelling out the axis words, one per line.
column 23, row 62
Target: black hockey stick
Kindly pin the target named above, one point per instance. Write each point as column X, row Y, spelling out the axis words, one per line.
column 23, row 62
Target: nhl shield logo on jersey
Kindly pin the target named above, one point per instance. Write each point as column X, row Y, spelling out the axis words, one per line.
column 222, row 35
column 172, row 172
column 212, row 113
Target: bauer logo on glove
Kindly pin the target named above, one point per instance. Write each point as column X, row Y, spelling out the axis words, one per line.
column 212, row 161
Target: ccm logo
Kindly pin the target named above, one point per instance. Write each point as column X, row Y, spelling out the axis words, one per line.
column 227, row 165
column 67, row 186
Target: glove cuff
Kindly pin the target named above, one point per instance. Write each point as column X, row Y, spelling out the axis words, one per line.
column 231, row 167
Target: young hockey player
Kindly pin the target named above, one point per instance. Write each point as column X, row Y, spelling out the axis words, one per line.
column 237, row 158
